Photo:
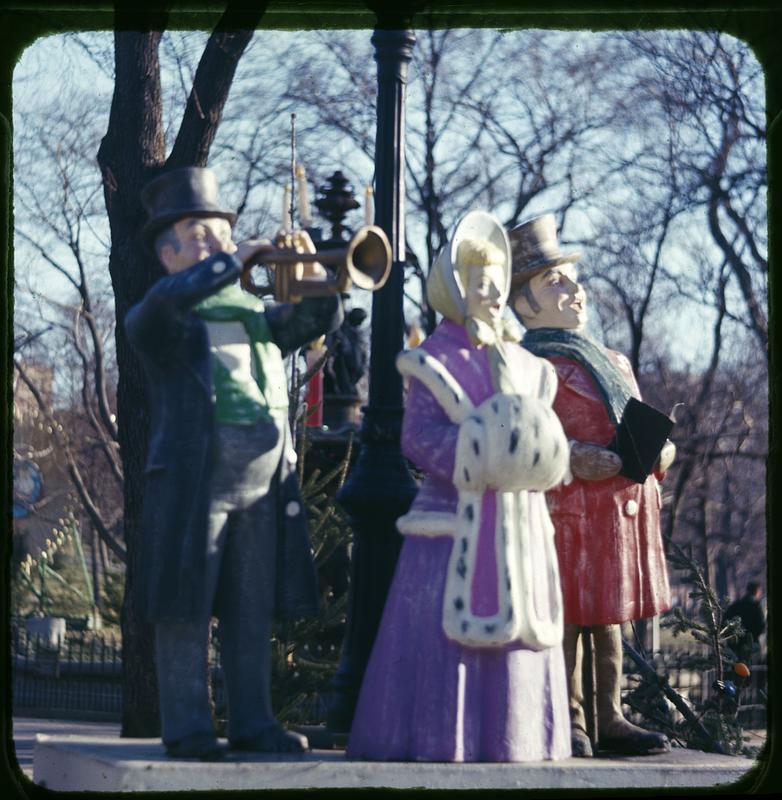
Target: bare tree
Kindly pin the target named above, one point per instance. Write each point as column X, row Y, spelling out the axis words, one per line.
column 707, row 90
column 64, row 241
column 64, row 315
column 490, row 122
column 667, row 204
column 691, row 233
column 131, row 153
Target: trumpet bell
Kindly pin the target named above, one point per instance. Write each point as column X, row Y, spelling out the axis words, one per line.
column 365, row 261
column 368, row 258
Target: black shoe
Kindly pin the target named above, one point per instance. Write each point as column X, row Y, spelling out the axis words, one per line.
column 273, row 739
column 580, row 745
column 203, row 746
column 643, row 743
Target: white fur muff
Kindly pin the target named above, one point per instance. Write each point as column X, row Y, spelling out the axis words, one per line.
column 525, row 445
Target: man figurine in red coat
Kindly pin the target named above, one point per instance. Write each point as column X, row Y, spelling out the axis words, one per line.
column 611, row 558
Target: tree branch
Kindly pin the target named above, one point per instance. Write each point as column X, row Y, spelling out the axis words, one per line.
column 73, row 470
column 212, row 83
column 758, row 320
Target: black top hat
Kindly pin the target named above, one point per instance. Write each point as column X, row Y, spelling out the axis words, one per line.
column 180, row 193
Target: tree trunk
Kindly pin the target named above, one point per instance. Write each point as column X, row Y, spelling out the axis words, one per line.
column 131, row 154
column 132, row 148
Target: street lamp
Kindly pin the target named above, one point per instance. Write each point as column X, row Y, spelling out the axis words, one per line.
column 336, row 200
column 380, row 487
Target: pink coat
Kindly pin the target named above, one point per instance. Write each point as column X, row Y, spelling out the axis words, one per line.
column 611, row 558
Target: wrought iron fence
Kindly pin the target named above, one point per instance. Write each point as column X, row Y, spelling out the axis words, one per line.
column 697, row 686
column 80, row 676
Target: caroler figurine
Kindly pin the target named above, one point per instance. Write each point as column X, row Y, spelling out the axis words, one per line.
column 467, row 664
column 607, row 524
column 224, row 530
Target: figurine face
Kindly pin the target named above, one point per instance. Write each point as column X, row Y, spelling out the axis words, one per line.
column 484, row 292
column 199, row 238
column 561, row 299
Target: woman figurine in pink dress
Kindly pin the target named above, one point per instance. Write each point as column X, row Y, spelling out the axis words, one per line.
column 467, row 664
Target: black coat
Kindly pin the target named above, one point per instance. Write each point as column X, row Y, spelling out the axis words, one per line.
column 173, row 345
column 748, row 610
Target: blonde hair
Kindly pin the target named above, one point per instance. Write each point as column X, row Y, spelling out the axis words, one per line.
column 476, row 253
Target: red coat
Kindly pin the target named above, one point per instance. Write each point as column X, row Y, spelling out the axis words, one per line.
column 611, row 558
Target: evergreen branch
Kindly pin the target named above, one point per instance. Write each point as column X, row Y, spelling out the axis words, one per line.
column 306, row 485
column 312, row 371
column 339, row 470
column 678, row 701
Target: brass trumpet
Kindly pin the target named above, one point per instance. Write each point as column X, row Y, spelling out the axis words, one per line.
column 365, row 261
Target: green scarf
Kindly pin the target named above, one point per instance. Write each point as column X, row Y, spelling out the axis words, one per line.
column 236, row 403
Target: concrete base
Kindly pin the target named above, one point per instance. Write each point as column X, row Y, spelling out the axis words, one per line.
column 100, row 763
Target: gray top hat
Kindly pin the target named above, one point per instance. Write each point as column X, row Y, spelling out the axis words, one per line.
column 534, row 247
column 180, row 193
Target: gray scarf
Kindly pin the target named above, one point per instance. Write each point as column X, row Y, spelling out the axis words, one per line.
column 591, row 355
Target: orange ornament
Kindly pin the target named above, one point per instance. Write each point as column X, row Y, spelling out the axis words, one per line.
column 742, row 670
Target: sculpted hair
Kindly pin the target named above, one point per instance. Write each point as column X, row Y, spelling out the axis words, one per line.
column 524, row 290
column 476, row 253
column 167, row 236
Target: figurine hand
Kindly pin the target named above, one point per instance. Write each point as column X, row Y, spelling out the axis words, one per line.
column 590, row 462
column 667, row 456
column 249, row 249
column 301, row 242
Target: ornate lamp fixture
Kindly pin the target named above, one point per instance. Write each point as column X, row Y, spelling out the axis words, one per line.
column 336, row 200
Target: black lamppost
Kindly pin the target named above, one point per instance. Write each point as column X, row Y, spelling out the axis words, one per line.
column 380, row 487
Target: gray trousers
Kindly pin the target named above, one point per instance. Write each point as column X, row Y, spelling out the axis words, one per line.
column 241, row 554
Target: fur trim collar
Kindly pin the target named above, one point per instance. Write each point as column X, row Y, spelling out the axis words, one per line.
column 519, row 516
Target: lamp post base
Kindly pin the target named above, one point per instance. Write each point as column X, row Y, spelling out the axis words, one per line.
column 379, row 490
